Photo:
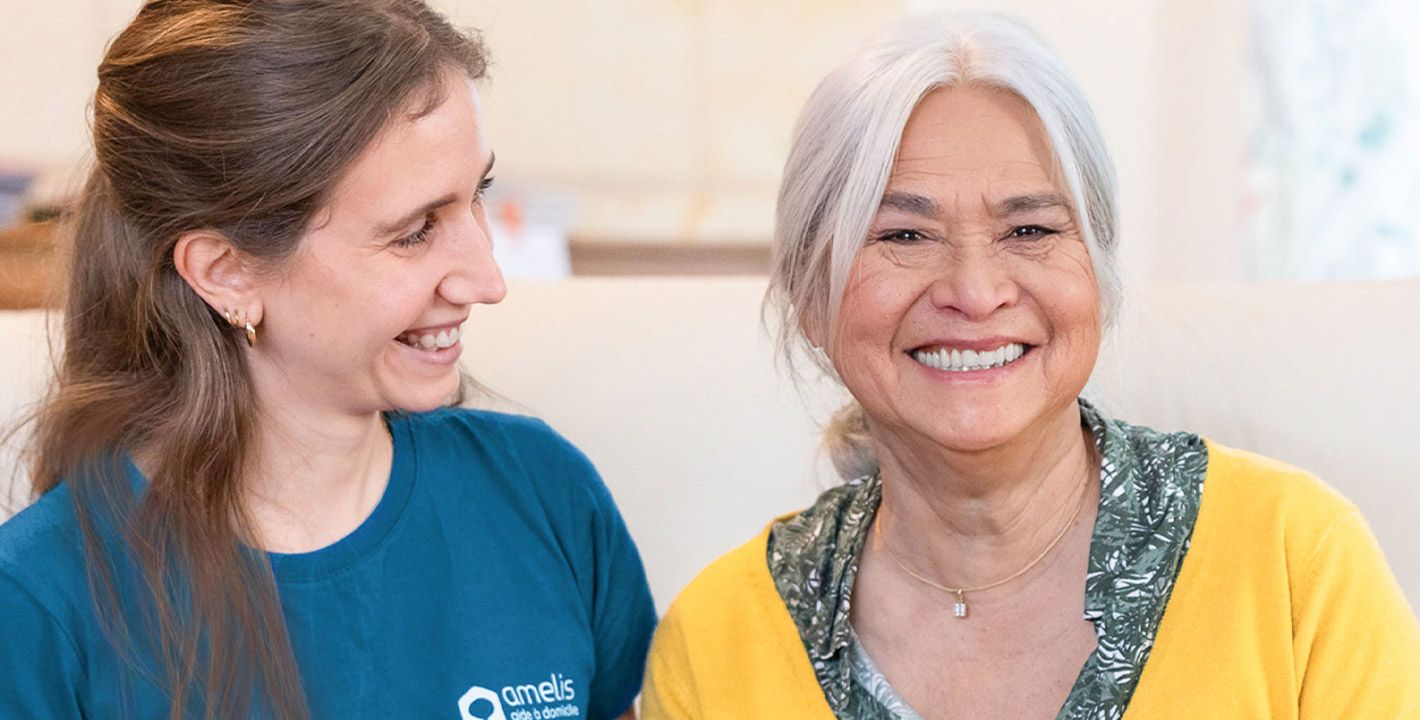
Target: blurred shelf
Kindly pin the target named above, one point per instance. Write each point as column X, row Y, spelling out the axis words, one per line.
column 29, row 266
column 603, row 257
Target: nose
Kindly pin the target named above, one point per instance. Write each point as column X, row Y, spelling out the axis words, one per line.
column 975, row 283
column 474, row 275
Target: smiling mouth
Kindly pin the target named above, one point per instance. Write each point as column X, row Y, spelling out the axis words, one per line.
column 955, row 360
column 421, row 340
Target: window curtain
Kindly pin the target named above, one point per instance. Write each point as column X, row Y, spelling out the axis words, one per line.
column 1333, row 170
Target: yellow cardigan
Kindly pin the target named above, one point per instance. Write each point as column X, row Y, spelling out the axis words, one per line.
column 1284, row 608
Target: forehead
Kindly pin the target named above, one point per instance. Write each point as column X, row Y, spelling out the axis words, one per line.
column 425, row 151
column 973, row 139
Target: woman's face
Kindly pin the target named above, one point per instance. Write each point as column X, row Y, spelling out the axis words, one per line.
column 971, row 316
column 366, row 316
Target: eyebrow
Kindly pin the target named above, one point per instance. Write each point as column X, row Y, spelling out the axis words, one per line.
column 927, row 207
column 910, row 203
column 1026, row 203
column 408, row 218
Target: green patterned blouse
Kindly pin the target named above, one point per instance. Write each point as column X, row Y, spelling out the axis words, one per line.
column 1150, row 487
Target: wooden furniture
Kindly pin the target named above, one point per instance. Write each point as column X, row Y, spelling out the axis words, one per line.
column 30, row 275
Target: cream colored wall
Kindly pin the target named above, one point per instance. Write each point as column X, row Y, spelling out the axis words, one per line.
column 668, row 120
column 672, row 128
column 48, row 55
column 693, row 116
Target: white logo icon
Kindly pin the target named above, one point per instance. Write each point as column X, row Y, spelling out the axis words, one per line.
column 476, row 693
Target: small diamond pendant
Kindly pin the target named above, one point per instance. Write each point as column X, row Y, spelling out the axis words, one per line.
column 959, row 608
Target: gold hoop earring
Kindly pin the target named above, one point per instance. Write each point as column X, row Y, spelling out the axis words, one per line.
column 234, row 318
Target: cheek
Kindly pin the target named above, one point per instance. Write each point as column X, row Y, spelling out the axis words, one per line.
column 864, row 316
column 1082, row 298
column 1078, row 308
column 1072, row 303
column 350, row 319
column 876, row 303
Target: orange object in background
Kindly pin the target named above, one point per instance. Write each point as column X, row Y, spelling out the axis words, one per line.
column 512, row 217
column 30, row 275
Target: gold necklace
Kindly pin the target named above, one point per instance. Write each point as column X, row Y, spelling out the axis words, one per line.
column 959, row 609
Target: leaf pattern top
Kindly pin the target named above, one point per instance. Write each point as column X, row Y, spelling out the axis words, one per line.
column 1151, row 484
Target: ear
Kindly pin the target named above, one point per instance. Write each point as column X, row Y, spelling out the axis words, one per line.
column 218, row 273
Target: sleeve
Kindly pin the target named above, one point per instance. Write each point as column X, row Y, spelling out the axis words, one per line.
column 38, row 660
column 664, row 694
column 622, row 613
column 1357, row 642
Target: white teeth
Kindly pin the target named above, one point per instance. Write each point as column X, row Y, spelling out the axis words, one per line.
column 429, row 341
column 966, row 360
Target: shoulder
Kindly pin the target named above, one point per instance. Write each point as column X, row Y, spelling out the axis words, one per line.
column 1283, row 555
column 738, row 588
column 729, row 606
column 1246, row 494
column 42, row 561
column 514, row 444
column 728, row 647
column 1244, row 471
column 46, row 614
column 485, row 427
column 740, row 576
column 478, row 457
column 1263, row 517
column 42, row 538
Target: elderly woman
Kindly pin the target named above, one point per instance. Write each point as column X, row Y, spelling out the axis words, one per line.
column 255, row 504
column 945, row 244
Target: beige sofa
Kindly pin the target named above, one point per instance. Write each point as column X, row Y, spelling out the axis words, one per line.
column 670, row 386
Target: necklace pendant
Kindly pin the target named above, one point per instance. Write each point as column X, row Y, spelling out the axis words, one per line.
column 959, row 608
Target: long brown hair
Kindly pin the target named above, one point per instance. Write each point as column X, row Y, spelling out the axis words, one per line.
column 237, row 117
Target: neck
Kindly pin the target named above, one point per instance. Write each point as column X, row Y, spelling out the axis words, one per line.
column 312, row 477
column 970, row 518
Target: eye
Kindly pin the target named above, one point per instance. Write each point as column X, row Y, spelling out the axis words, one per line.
column 901, row 236
column 483, row 186
column 418, row 237
column 1030, row 232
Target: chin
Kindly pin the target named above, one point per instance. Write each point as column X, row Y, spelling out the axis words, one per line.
column 974, row 431
column 1000, row 425
column 426, row 399
column 971, row 442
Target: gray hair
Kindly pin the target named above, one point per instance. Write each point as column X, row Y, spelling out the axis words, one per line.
column 842, row 154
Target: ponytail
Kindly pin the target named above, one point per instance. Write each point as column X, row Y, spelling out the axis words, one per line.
column 848, row 443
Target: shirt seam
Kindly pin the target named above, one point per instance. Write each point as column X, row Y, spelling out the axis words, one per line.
column 63, row 631
column 676, row 692
column 1309, row 567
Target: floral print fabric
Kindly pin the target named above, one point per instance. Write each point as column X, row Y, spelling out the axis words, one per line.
column 1151, row 484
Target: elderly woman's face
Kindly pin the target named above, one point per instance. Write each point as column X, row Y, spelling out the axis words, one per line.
column 971, row 318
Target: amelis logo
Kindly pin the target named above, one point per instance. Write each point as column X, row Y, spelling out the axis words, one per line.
column 480, row 704
column 550, row 698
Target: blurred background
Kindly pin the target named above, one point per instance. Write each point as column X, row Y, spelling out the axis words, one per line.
column 1260, row 144
column 1255, row 139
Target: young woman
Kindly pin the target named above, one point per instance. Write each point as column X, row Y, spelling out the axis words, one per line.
column 253, row 501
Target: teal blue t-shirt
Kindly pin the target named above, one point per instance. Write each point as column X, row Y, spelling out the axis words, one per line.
column 495, row 580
